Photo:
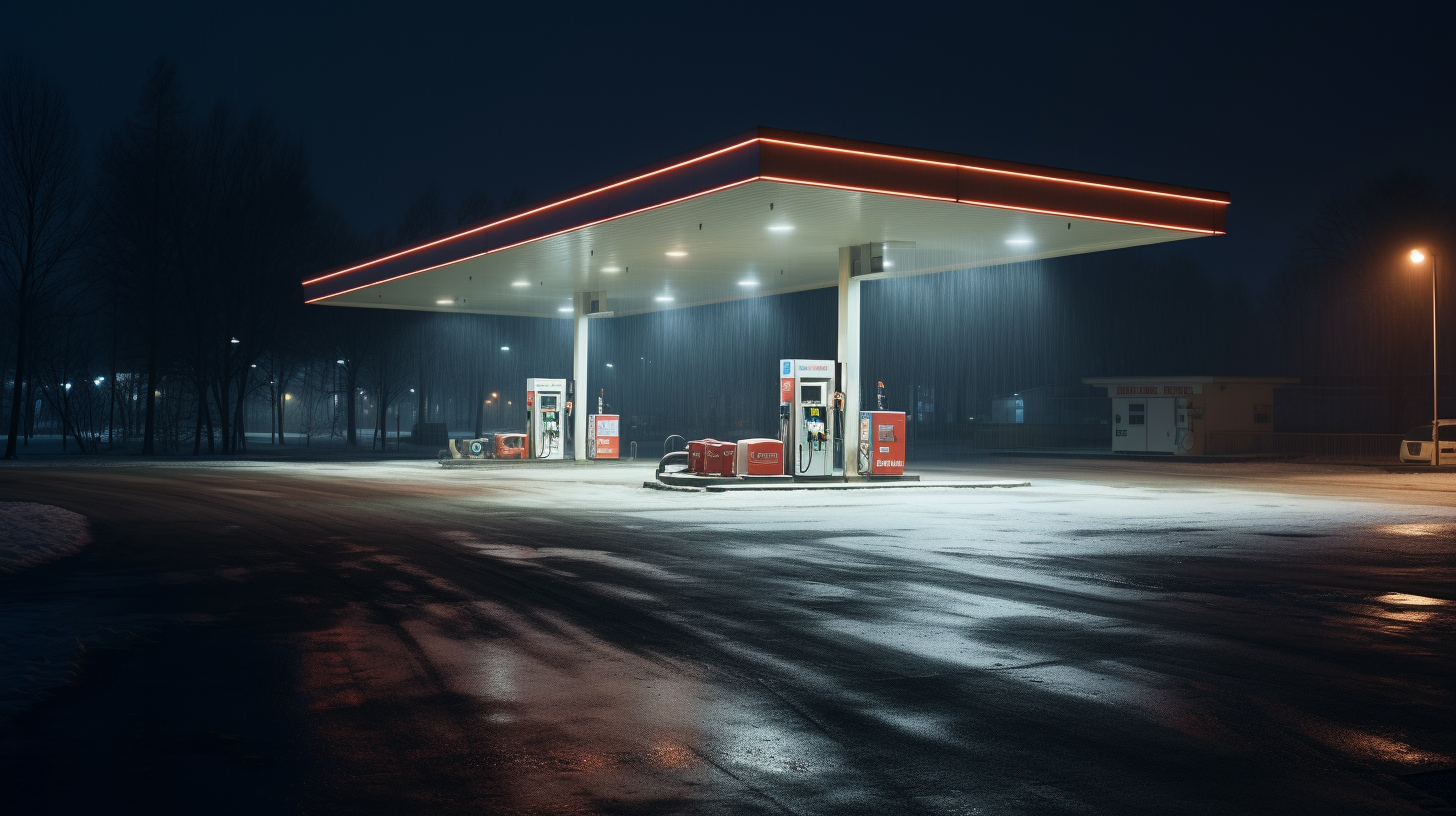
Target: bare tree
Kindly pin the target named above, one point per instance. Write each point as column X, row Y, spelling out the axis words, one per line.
column 41, row 212
column 141, row 206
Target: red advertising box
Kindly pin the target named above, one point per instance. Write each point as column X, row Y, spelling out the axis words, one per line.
column 719, row 458
column 695, row 454
column 882, row 443
column 759, row 457
column 712, row 457
column 602, row 436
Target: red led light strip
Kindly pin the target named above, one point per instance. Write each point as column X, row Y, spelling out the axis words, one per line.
column 974, row 203
column 856, row 189
column 541, row 208
column 527, row 241
column 1086, row 217
column 996, row 170
column 745, row 143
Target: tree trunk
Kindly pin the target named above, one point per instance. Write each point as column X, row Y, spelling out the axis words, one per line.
column 211, row 432
column 29, row 411
column 149, row 431
column 240, row 431
column 17, row 391
column 224, row 422
column 197, row 432
column 352, row 379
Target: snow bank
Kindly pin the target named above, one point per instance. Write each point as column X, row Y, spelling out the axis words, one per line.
column 33, row 533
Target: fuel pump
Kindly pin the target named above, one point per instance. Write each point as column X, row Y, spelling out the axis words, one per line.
column 806, row 416
column 813, row 428
column 550, row 438
column 545, row 400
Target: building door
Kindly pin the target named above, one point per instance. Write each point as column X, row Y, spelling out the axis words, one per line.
column 1162, row 434
column 1129, row 424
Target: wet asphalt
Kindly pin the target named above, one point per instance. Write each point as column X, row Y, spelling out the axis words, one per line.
column 1116, row 638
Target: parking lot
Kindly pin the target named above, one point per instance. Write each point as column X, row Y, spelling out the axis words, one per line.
column 1116, row 637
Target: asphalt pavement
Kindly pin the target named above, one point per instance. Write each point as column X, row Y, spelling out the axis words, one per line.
column 1116, row 637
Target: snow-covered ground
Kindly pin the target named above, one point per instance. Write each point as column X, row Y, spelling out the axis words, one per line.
column 37, row 652
column 33, row 533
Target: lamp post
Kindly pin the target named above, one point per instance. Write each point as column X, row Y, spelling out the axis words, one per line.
column 1416, row 257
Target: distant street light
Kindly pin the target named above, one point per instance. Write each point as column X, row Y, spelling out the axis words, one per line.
column 505, row 348
column 235, row 341
column 340, row 362
column 1416, row 257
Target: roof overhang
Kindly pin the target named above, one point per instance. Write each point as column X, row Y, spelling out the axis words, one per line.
column 766, row 213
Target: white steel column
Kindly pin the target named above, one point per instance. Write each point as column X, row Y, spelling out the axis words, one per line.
column 580, row 392
column 848, row 353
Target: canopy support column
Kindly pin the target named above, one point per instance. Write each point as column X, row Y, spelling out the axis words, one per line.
column 579, row 390
column 848, row 354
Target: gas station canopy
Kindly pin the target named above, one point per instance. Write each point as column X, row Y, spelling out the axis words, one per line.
column 766, row 213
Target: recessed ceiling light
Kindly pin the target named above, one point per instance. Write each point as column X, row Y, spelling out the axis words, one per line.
column 748, row 283
column 1018, row 242
column 611, row 269
column 609, row 365
column 521, row 283
column 781, row 228
column 664, row 298
column 677, row 253
column 505, row 348
column 445, row 302
column 564, row 309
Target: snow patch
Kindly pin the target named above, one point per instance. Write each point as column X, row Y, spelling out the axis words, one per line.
column 33, row 533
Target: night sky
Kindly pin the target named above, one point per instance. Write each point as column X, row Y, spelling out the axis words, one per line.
column 1281, row 108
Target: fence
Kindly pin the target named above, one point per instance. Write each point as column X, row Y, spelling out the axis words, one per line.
column 1322, row 446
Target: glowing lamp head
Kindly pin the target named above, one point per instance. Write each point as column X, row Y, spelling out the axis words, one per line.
column 1417, row 256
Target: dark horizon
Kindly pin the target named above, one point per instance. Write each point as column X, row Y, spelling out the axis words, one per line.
column 1284, row 114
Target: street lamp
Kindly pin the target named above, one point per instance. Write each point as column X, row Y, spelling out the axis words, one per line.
column 1416, row 257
